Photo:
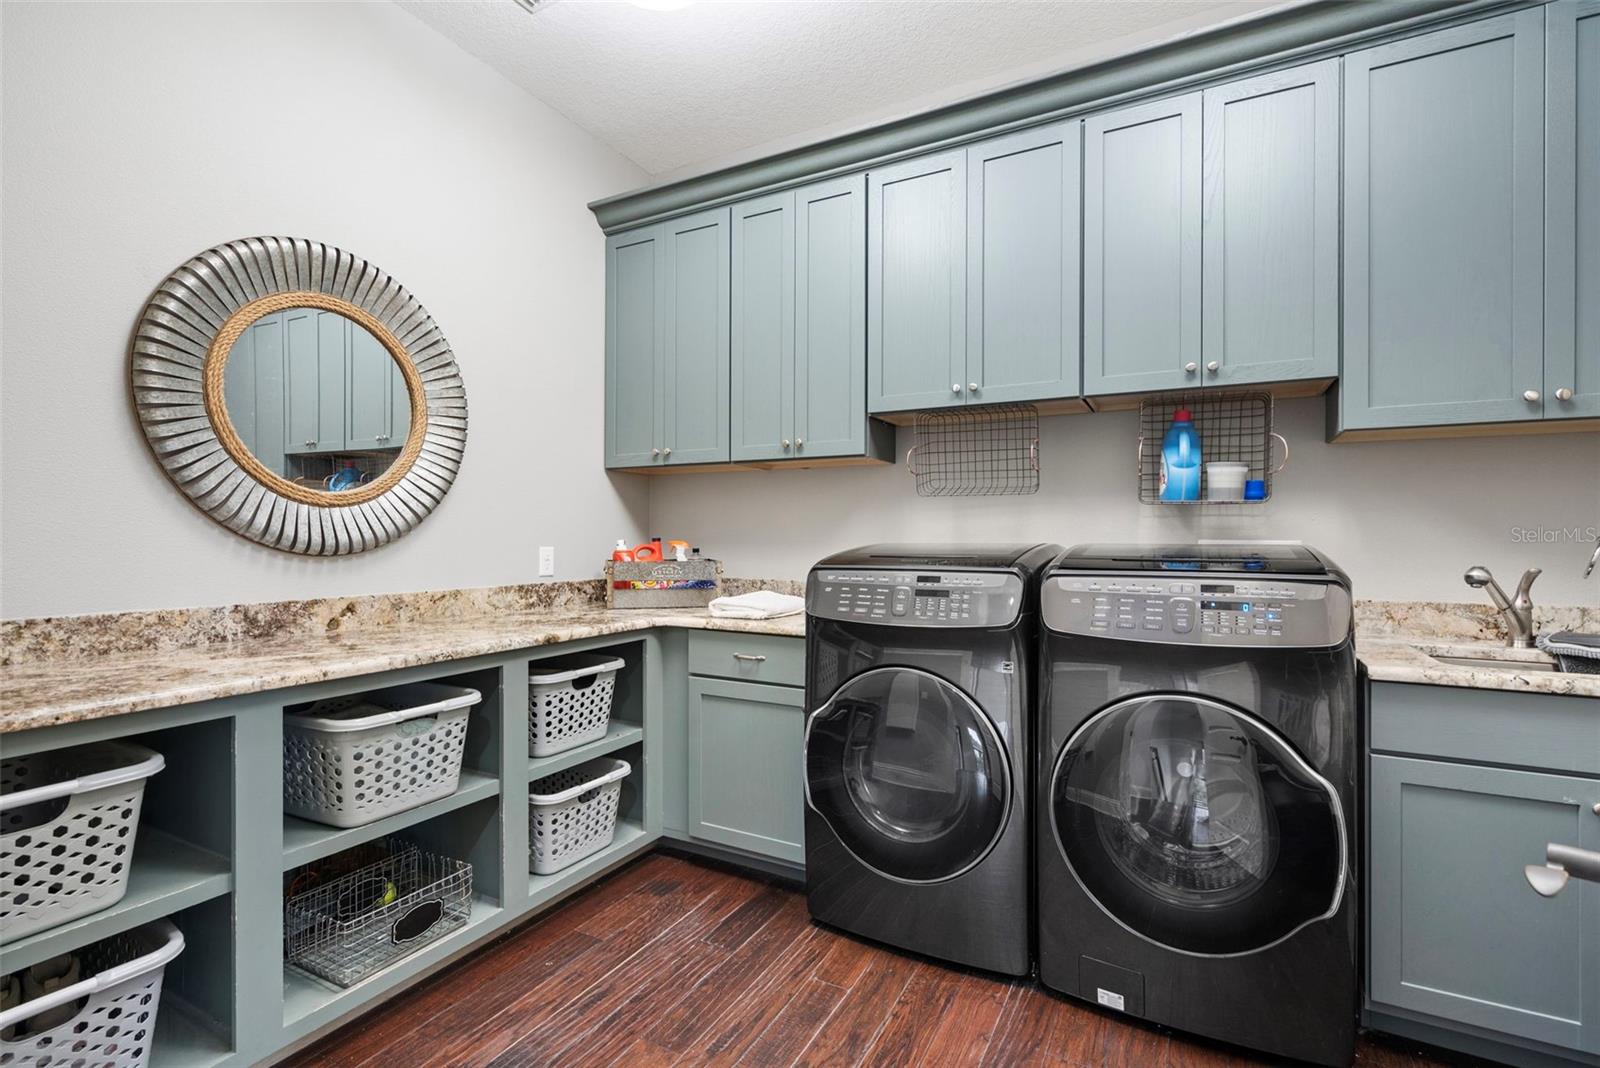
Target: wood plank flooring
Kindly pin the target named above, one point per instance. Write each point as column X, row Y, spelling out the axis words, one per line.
column 672, row 961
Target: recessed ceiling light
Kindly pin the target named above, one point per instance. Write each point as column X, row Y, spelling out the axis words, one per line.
column 661, row 5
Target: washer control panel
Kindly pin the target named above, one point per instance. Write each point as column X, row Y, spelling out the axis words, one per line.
column 915, row 598
column 1205, row 611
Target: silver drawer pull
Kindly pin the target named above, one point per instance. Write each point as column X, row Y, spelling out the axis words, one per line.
column 1562, row 862
column 754, row 658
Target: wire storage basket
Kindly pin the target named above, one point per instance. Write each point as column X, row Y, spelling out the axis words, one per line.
column 986, row 451
column 68, row 821
column 1234, row 427
column 350, row 926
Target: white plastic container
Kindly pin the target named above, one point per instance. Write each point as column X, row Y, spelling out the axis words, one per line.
column 1225, row 481
column 572, row 814
column 569, row 701
column 352, row 760
column 68, row 821
column 116, row 1023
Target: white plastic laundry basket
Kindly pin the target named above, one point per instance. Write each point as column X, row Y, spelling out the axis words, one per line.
column 68, row 819
column 115, row 1024
column 569, row 701
column 572, row 814
column 352, row 760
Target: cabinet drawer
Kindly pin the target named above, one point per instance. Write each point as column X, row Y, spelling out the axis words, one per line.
column 1532, row 730
column 749, row 657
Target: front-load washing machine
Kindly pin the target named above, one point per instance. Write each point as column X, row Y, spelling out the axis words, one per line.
column 919, row 677
column 1196, row 795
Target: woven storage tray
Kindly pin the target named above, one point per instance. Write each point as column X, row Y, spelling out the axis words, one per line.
column 572, row 814
column 115, row 1023
column 356, row 924
column 68, row 820
column 569, row 701
column 663, row 574
column 352, row 760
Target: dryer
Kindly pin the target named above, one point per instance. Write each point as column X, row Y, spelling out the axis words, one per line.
column 1196, row 795
column 919, row 669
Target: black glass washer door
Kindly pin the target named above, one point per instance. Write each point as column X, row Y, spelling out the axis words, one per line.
column 1196, row 826
column 909, row 773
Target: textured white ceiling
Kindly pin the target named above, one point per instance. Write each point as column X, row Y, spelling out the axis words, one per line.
column 676, row 91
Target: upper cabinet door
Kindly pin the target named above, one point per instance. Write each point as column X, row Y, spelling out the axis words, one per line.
column 916, row 283
column 314, row 362
column 1023, row 252
column 695, row 384
column 1572, row 210
column 1271, row 227
column 762, row 373
column 1141, row 248
column 1443, row 246
column 635, row 315
column 830, row 364
column 369, row 388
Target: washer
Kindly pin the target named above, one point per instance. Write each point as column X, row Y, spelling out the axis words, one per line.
column 919, row 669
column 1197, row 792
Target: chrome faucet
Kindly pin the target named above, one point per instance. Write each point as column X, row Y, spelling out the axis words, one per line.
column 1517, row 612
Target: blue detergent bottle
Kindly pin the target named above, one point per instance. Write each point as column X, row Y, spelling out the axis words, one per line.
column 1180, row 460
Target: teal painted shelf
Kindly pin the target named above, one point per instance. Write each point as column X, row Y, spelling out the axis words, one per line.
column 305, row 841
column 619, row 735
column 168, row 875
column 631, row 838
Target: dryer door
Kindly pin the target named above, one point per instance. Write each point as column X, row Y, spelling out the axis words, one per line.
column 909, row 773
column 1196, row 826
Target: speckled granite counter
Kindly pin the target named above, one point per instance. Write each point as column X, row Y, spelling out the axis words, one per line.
column 63, row 671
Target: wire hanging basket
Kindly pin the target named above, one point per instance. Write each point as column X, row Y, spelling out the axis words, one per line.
column 987, row 451
column 1234, row 427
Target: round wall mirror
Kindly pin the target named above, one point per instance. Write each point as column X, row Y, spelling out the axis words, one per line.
column 298, row 395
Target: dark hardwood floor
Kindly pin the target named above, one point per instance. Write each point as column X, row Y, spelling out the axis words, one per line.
column 674, row 961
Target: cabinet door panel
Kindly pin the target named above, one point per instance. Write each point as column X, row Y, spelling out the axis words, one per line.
column 761, row 378
column 1271, row 227
column 634, row 343
column 1456, row 931
column 916, row 284
column 369, row 373
column 695, row 384
column 1443, row 235
column 746, row 767
column 317, row 342
column 1023, row 253
column 830, row 369
column 1572, row 209
column 1141, row 247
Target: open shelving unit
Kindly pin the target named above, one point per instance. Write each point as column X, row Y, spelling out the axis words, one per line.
column 305, row 841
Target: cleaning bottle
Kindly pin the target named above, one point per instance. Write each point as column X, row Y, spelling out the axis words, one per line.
column 1180, row 460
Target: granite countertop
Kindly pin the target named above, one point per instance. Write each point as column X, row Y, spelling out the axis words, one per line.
column 81, row 668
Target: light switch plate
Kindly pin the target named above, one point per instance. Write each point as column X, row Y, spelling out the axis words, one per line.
column 547, row 560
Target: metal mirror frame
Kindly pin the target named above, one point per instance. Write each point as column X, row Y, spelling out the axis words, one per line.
column 180, row 349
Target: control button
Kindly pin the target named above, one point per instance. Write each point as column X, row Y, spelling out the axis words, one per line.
column 1208, row 628
column 1129, row 625
column 1153, row 624
column 1277, row 631
column 1182, row 624
column 1099, row 626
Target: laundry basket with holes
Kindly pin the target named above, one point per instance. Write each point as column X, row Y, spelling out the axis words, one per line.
column 351, row 760
column 96, row 1008
column 572, row 814
column 68, row 820
column 569, row 701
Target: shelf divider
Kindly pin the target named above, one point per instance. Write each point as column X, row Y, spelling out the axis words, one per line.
column 305, row 840
column 619, row 735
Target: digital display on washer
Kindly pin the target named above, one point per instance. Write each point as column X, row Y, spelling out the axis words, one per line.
column 933, row 593
column 1225, row 606
column 927, row 578
column 1213, row 588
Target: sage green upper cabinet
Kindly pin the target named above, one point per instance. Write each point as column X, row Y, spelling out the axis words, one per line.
column 370, row 373
column 1572, row 210
column 314, row 371
column 253, row 388
column 694, row 379
column 1023, row 249
column 1141, row 247
column 1443, row 227
column 830, row 348
column 1270, row 229
column 762, row 373
column 634, row 345
column 916, row 283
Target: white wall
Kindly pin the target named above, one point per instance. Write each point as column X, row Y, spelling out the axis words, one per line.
column 137, row 134
column 1404, row 518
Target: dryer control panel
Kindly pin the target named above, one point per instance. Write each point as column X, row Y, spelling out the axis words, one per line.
column 915, row 598
column 1209, row 610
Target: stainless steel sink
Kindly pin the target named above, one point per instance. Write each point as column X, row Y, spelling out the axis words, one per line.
column 1497, row 664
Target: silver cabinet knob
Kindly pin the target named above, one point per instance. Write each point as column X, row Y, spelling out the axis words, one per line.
column 955, row 387
column 799, row 442
column 1190, row 368
column 785, row 443
column 655, row 452
column 1213, row 367
column 666, row 452
column 1563, row 394
column 1530, row 394
column 1597, row 808
column 973, row 386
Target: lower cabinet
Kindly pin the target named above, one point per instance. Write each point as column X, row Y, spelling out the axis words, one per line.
column 745, row 767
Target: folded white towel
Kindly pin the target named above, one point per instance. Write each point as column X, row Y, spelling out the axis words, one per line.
column 763, row 604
